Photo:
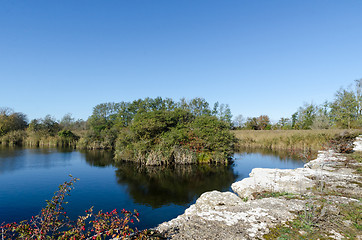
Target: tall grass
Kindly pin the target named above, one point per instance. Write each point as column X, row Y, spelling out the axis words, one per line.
column 24, row 138
column 288, row 139
column 13, row 138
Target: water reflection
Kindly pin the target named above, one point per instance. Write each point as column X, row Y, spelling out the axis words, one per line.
column 16, row 158
column 98, row 158
column 158, row 186
column 295, row 155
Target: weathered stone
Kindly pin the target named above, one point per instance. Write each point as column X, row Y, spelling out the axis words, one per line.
column 358, row 144
column 326, row 160
column 217, row 215
column 274, row 180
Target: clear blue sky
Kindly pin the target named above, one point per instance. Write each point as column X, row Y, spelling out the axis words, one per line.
column 260, row 57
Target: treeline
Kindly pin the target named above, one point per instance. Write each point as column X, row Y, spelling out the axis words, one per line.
column 150, row 131
column 343, row 112
column 16, row 130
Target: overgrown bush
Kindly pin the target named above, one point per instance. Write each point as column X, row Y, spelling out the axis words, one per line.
column 177, row 136
column 53, row 222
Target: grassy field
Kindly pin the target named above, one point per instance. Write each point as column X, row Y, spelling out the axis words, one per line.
column 288, row 139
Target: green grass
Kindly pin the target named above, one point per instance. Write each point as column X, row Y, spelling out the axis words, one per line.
column 265, row 194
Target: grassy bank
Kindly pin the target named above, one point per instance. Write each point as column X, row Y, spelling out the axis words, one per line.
column 288, row 139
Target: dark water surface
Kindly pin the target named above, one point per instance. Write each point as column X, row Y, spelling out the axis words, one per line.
column 30, row 176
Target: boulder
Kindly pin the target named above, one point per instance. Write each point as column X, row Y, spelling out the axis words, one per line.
column 274, row 180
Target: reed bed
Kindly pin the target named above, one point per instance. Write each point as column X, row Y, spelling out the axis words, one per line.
column 22, row 138
column 288, row 139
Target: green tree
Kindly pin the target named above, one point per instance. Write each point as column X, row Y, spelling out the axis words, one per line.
column 46, row 126
column 322, row 119
column 104, row 116
column 344, row 109
column 305, row 116
column 295, row 120
column 251, row 123
column 222, row 112
column 258, row 123
column 67, row 121
column 11, row 121
column 197, row 106
column 284, row 123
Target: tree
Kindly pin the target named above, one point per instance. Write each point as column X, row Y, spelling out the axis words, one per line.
column 344, row 109
column 239, row 121
column 295, row 120
column 258, row 123
column 263, row 122
column 305, row 116
column 11, row 121
column 251, row 123
column 322, row 119
column 50, row 125
column 67, row 121
column 284, row 123
column 197, row 106
column 358, row 87
column 222, row 112
column 103, row 116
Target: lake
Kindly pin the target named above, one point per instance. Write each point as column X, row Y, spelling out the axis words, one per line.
column 28, row 177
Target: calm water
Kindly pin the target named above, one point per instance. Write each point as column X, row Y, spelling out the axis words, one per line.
column 30, row 176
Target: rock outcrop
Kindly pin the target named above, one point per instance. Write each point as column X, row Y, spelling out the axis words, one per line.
column 217, row 215
column 245, row 215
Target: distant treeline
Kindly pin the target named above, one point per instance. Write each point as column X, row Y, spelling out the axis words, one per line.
column 158, row 131
column 150, row 131
column 343, row 112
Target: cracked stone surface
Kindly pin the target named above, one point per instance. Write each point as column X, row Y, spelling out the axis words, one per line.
column 217, row 215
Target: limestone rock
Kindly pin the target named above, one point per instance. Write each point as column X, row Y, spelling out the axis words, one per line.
column 217, row 215
column 274, row 180
column 358, row 144
column 326, row 160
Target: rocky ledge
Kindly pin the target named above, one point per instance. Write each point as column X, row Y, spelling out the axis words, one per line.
column 323, row 195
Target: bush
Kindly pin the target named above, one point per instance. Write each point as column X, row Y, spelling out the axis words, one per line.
column 343, row 143
column 53, row 222
column 167, row 137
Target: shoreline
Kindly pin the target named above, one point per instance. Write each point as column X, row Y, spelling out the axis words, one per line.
column 272, row 199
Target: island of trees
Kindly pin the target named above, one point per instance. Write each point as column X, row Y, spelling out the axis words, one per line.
column 149, row 131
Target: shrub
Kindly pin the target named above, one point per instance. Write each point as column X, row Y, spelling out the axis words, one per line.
column 167, row 137
column 53, row 222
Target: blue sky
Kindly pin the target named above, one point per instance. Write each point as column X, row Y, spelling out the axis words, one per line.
column 260, row 57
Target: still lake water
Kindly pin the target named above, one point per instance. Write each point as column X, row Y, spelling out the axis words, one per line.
column 30, row 176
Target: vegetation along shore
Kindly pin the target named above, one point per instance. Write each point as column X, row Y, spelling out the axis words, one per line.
column 157, row 131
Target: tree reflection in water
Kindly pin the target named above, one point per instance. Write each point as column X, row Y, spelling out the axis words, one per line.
column 98, row 158
column 181, row 184
column 156, row 186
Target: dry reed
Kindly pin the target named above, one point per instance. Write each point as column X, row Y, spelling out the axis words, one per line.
column 288, row 139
